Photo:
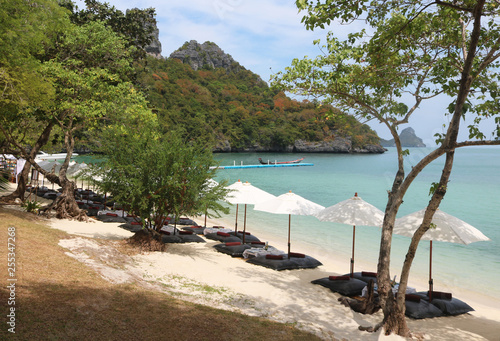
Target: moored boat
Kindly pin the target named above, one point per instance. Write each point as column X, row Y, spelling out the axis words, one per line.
column 279, row 162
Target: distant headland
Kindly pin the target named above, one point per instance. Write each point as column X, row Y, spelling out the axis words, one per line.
column 408, row 139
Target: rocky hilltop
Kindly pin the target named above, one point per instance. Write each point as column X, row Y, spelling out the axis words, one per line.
column 238, row 112
column 408, row 139
column 205, row 56
column 154, row 48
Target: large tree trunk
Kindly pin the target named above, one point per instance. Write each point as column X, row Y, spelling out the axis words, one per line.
column 65, row 205
column 30, row 157
column 20, row 191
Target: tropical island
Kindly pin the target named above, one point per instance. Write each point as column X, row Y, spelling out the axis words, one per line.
column 204, row 90
column 84, row 79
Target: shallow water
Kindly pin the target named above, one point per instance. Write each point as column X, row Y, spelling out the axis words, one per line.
column 473, row 196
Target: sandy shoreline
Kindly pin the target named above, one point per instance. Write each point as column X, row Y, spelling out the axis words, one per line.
column 198, row 273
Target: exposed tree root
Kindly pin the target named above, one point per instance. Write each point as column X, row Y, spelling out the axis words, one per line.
column 366, row 306
column 65, row 209
column 147, row 240
column 9, row 200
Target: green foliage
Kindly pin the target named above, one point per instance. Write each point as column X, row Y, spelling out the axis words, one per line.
column 31, row 206
column 216, row 105
column 135, row 26
column 158, row 175
column 411, row 51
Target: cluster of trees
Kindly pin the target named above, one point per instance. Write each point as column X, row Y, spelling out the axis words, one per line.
column 415, row 51
column 238, row 107
column 67, row 74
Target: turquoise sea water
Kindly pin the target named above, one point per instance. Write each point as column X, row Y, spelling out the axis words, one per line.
column 473, row 196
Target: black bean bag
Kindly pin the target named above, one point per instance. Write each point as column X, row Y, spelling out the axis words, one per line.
column 448, row 305
column 283, row 262
column 234, row 249
column 195, row 229
column 186, row 221
column 364, row 276
column 222, row 237
column 248, row 237
column 130, row 218
column 111, row 218
column 344, row 285
column 418, row 308
column 191, row 238
column 170, row 238
column 132, row 227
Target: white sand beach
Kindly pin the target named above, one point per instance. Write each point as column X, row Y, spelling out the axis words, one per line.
column 197, row 272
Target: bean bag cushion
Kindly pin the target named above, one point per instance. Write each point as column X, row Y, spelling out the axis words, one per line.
column 234, row 249
column 343, row 285
column 186, row 221
column 107, row 218
column 221, row 237
column 364, row 276
column 448, row 305
column 418, row 308
column 165, row 238
column 131, row 227
column 286, row 263
column 195, row 229
column 248, row 237
column 191, row 238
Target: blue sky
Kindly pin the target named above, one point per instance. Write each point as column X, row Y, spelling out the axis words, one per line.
column 264, row 36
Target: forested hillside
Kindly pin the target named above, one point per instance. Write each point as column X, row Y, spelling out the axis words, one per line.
column 235, row 109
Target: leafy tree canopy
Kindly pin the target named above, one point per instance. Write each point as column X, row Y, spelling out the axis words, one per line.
column 136, row 25
column 157, row 175
column 415, row 50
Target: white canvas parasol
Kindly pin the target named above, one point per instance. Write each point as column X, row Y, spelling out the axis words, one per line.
column 245, row 193
column 445, row 228
column 353, row 211
column 289, row 203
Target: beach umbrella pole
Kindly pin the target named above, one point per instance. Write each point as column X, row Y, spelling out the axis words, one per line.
column 431, row 284
column 289, row 225
column 244, row 224
column 352, row 258
column 236, row 222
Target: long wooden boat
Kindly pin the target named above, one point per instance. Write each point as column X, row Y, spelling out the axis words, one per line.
column 279, row 162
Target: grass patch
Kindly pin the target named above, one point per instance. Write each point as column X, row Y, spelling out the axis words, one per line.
column 59, row 298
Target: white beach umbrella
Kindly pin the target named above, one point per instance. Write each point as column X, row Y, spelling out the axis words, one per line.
column 245, row 193
column 354, row 211
column 445, row 228
column 289, row 203
column 76, row 168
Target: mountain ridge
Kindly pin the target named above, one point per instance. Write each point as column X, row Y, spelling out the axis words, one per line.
column 204, row 90
column 408, row 138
